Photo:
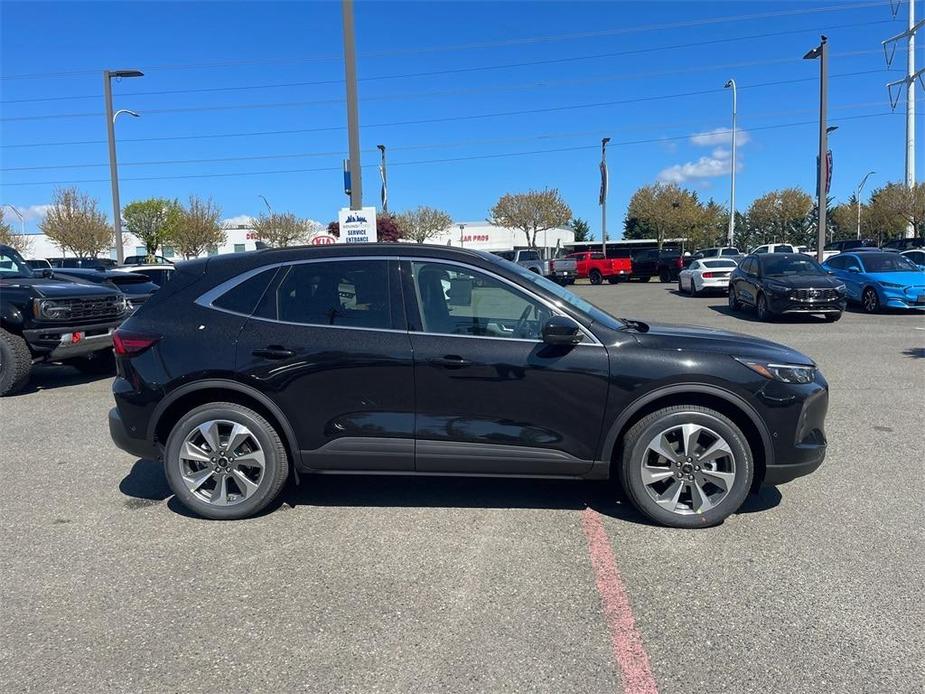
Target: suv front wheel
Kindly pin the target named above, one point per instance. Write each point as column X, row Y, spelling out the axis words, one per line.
column 225, row 461
column 686, row 466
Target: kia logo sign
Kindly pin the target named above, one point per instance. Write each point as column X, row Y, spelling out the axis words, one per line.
column 323, row 240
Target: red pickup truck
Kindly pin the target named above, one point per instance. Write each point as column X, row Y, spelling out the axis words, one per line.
column 597, row 267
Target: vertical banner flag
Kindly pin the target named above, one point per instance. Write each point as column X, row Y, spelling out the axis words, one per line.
column 828, row 171
column 603, row 183
column 384, row 194
column 347, row 184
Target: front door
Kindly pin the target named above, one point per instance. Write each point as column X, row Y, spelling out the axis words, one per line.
column 491, row 397
column 328, row 344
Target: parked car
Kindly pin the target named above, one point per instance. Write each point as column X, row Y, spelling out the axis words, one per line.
column 158, row 274
column 437, row 360
column 562, row 271
column 719, row 252
column 664, row 264
column 38, row 264
column 136, row 287
column 917, row 257
column 707, row 274
column 905, row 244
column 48, row 318
column 880, row 280
column 785, row 283
column 596, row 267
column 90, row 263
column 146, row 260
column 836, row 247
column 773, row 248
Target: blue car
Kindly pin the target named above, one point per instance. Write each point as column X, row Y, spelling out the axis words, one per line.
column 880, row 280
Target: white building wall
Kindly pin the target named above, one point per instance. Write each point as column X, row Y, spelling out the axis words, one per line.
column 484, row 236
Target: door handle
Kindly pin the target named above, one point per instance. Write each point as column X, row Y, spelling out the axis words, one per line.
column 450, row 361
column 273, row 352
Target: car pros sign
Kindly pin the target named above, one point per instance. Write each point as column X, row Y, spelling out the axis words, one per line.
column 357, row 226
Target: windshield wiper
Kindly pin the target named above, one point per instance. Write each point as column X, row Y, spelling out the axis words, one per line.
column 636, row 325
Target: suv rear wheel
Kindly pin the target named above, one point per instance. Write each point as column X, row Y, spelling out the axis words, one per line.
column 225, row 461
column 15, row 363
column 686, row 466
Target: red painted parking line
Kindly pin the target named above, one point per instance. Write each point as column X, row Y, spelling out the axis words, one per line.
column 628, row 649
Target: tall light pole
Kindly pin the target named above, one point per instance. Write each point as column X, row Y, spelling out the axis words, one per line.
column 857, row 197
column 731, row 84
column 22, row 219
column 603, row 195
column 113, row 168
column 269, row 209
column 822, row 53
column 384, row 193
column 353, row 110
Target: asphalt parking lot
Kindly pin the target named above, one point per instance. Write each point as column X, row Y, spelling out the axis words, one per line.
column 391, row 584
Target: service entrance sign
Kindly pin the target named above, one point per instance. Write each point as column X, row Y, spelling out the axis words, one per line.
column 357, row 226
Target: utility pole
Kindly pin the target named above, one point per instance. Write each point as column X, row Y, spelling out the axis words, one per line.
column 384, row 193
column 731, row 84
column 603, row 196
column 909, row 83
column 857, row 197
column 22, row 219
column 822, row 53
column 353, row 114
column 113, row 167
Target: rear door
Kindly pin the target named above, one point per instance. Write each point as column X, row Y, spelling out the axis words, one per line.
column 492, row 397
column 328, row 344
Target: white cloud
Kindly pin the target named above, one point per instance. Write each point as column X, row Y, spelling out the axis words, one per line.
column 30, row 213
column 705, row 167
column 239, row 220
column 719, row 136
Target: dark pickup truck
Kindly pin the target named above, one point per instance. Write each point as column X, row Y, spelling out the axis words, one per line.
column 49, row 318
column 664, row 264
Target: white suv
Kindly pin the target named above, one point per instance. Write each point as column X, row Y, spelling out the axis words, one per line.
column 775, row 248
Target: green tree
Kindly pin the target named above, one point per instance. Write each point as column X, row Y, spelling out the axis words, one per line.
column 664, row 211
column 893, row 207
column 76, row 224
column 423, row 223
column 781, row 216
column 149, row 220
column 195, row 226
column 581, row 228
column 844, row 219
column 281, row 229
column 531, row 212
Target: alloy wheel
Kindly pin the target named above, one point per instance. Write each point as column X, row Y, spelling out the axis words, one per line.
column 222, row 462
column 688, row 469
column 871, row 300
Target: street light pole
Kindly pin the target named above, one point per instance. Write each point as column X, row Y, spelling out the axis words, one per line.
column 269, row 209
column 353, row 111
column 604, row 189
column 22, row 219
column 113, row 167
column 822, row 53
column 731, row 84
column 857, row 197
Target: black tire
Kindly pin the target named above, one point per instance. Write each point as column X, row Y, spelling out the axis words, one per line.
column 870, row 301
column 680, row 288
column 762, row 310
column 664, row 276
column 633, row 456
column 692, row 290
column 595, row 277
column 15, row 363
column 832, row 317
column 276, row 462
column 102, row 363
column 734, row 304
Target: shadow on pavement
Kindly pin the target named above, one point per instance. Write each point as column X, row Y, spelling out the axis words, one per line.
column 750, row 316
column 915, row 352
column 50, row 376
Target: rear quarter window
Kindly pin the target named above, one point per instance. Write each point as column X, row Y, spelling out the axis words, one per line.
column 243, row 297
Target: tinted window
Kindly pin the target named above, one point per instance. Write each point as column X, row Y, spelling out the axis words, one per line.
column 459, row 301
column 783, row 248
column 597, row 256
column 350, row 293
column 779, row 265
column 761, row 249
column 917, row 257
column 730, row 251
column 709, row 252
column 243, row 297
column 718, row 263
column 838, row 262
column 529, row 255
column 12, row 265
column 887, row 262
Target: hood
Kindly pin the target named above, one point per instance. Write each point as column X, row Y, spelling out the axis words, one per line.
column 808, row 281
column 57, row 288
column 906, row 279
column 693, row 338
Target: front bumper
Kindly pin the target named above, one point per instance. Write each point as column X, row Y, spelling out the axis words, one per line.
column 57, row 342
column 120, row 436
column 786, row 304
column 892, row 298
column 798, row 428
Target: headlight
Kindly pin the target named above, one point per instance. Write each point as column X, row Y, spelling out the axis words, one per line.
column 786, row 373
column 889, row 285
column 50, row 309
column 778, row 288
column 841, row 289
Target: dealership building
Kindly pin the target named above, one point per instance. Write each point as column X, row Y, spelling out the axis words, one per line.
column 241, row 237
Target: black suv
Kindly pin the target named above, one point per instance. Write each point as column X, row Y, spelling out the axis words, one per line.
column 785, row 283
column 49, row 318
column 392, row 358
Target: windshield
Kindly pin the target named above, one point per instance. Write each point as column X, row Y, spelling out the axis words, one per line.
column 888, row 262
column 12, row 264
column 564, row 295
column 780, row 266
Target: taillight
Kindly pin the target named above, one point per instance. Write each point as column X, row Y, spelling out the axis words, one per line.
column 708, row 275
column 679, row 263
column 129, row 344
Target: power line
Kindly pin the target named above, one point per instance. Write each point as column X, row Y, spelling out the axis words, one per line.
column 299, row 104
column 486, row 44
column 442, row 160
column 550, row 61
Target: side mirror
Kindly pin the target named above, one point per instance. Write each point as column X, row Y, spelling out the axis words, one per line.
column 853, row 269
column 560, row 330
column 48, row 273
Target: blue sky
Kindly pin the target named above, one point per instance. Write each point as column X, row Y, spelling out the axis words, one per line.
column 517, row 95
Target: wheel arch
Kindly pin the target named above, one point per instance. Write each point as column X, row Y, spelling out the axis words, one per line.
column 714, row 397
column 189, row 396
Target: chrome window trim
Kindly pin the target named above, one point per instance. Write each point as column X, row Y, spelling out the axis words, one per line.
column 207, row 299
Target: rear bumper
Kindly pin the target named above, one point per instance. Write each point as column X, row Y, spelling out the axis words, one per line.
column 58, row 342
column 120, row 436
